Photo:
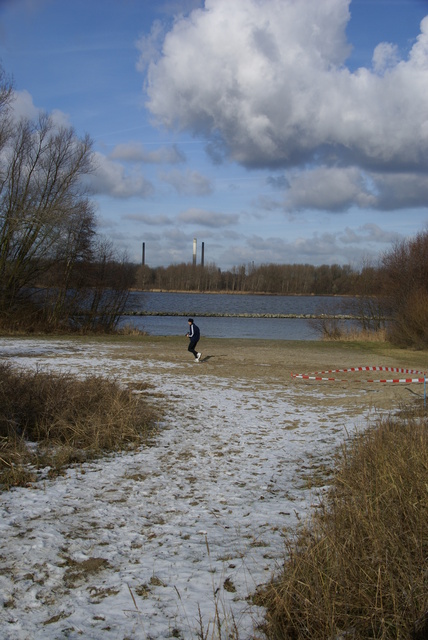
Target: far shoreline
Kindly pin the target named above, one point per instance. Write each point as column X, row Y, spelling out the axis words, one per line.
column 247, row 293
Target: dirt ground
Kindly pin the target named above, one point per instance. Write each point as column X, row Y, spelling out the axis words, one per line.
column 265, row 361
column 241, row 452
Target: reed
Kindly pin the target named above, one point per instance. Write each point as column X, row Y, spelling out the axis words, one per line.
column 333, row 329
column 358, row 569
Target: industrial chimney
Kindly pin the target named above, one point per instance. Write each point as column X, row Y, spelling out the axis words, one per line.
column 143, row 258
column 202, row 253
column 194, row 251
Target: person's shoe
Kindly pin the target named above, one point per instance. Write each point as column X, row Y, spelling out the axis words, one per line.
column 198, row 357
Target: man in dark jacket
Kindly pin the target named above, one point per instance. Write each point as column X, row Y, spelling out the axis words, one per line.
column 193, row 335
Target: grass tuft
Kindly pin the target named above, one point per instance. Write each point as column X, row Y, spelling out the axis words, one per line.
column 49, row 420
column 359, row 335
column 129, row 329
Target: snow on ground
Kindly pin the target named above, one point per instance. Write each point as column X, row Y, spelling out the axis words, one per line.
column 148, row 544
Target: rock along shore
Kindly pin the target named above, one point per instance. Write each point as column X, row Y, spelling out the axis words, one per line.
column 212, row 314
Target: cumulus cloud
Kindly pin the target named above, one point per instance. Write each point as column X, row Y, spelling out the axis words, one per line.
column 22, row 106
column 157, row 220
column 110, row 178
column 148, row 45
column 369, row 232
column 337, row 190
column 189, row 183
column 207, row 218
column 320, row 250
column 325, row 188
column 354, row 247
column 397, row 191
column 385, row 57
column 267, row 84
column 136, row 152
column 278, row 182
column 266, row 204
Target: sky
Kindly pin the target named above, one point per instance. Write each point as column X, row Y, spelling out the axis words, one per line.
column 272, row 131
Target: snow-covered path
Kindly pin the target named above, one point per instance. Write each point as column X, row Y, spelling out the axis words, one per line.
column 151, row 544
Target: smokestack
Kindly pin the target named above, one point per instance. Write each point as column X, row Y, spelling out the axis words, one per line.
column 143, row 259
column 202, row 253
column 194, row 251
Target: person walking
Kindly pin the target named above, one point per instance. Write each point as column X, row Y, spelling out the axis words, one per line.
column 194, row 335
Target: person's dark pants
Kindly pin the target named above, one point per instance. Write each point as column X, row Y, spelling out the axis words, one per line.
column 191, row 347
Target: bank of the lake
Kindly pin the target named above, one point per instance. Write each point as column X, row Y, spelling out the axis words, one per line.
column 234, row 315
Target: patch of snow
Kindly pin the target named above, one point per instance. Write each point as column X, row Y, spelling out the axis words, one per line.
column 180, row 529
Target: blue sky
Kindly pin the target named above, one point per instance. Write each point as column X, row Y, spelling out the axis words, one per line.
column 286, row 131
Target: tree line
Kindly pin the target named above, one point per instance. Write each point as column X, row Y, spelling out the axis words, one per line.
column 282, row 279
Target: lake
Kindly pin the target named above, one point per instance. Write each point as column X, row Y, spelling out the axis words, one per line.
column 195, row 305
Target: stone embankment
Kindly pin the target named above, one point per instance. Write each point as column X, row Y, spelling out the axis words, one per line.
column 213, row 314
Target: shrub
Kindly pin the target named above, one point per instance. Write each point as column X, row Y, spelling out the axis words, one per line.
column 69, row 419
column 405, row 273
column 410, row 328
column 359, row 568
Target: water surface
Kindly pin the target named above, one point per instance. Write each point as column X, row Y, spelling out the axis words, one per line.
column 192, row 304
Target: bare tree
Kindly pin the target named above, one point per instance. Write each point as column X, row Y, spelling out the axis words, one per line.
column 101, row 288
column 45, row 215
column 370, row 304
column 6, row 98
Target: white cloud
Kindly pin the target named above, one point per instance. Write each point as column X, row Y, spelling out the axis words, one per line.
column 339, row 189
column 136, row 152
column 368, row 232
column 329, row 189
column 155, row 220
column 266, row 83
column 22, row 106
column 397, row 191
column 354, row 246
column 207, row 218
column 110, row 178
column 385, row 56
column 266, row 204
column 149, row 45
column 189, row 183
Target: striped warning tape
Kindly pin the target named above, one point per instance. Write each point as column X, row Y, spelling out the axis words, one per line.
column 325, row 375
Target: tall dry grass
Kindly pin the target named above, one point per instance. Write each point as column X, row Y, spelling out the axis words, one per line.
column 331, row 329
column 359, row 568
column 358, row 335
column 55, row 420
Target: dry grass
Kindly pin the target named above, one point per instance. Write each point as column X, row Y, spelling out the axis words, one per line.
column 55, row 420
column 331, row 329
column 358, row 335
column 130, row 330
column 359, row 568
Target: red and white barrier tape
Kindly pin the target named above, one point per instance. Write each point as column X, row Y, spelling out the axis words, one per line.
column 322, row 375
